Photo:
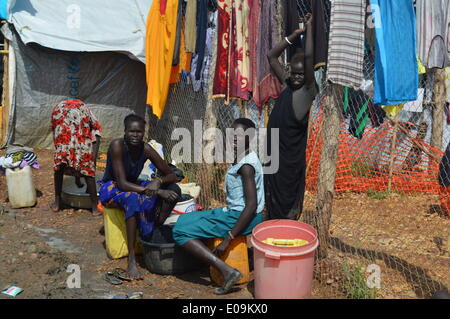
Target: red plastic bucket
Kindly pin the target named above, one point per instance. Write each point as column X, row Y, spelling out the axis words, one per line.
column 283, row 272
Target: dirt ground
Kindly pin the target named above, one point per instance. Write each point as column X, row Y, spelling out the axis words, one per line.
column 402, row 235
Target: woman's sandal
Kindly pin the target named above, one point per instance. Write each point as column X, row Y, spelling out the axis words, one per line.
column 122, row 274
column 110, row 277
column 227, row 284
column 117, row 276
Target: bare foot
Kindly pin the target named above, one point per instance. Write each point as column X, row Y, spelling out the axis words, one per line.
column 55, row 207
column 133, row 271
column 228, row 282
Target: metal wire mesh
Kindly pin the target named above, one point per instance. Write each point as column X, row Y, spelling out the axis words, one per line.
column 393, row 227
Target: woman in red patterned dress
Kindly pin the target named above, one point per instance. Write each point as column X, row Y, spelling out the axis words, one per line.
column 76, row 136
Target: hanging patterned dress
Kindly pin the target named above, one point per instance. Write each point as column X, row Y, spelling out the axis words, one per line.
column 233, row 65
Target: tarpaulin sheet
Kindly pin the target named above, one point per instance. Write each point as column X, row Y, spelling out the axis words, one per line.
column 83, row 25
column 111, row 84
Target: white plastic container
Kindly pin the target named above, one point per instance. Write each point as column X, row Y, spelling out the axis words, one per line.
column 179, row 209
column 21, row 191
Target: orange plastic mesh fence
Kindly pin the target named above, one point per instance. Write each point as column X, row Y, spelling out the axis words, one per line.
column 365, row 165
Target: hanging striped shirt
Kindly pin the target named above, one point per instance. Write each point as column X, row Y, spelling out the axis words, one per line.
column 346, row 44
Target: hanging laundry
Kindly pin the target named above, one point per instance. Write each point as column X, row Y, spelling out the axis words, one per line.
column 232, row 65
column 377, row 115
column 190, row 33
column 433, row 42
column 392, row 110
column 356, row 107
column 291, row 23
column 318, row 8
column 209, row 51
column 184, row 64
column 262, row 37
column 422, row 69
column 176, row 53
column 240, row 63
column 159, row 49
column 396, row 72
column 346, row 42
column 320, row 34
column 204, row 6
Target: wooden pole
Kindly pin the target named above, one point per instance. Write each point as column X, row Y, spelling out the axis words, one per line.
column 316, row 139
column 438, row 110
column 392, row 152
column 266, row 115
column 5, row 103
column 327, row 171
column 205, row 173
column 432, row 156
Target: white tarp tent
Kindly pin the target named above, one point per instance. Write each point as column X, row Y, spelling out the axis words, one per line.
column 92, row 50
column 83, row 25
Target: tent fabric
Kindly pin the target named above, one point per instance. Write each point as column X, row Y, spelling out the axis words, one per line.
column 82, row 25
column 111, row 84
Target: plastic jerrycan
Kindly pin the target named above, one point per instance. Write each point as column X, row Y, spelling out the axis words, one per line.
column 21, row 191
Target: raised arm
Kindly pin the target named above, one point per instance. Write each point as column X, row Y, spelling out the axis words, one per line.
column 277, row 50
column 309, row 52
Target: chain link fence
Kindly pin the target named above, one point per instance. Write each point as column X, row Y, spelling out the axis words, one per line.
column 388, row 235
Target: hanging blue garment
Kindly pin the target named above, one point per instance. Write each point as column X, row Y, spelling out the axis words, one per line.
column 4, row 9
column 396, row 73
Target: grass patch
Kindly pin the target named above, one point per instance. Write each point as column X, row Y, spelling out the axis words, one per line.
column 378, row 195
column 361, row 169
column 355, row 283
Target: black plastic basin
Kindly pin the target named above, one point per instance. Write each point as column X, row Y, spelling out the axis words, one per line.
column 162, row 256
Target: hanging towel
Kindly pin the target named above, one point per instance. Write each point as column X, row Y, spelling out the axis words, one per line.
column 396, row 71
column 346, row 43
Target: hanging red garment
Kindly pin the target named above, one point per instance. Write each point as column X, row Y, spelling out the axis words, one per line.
column 233, row 63
column 263, row 35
